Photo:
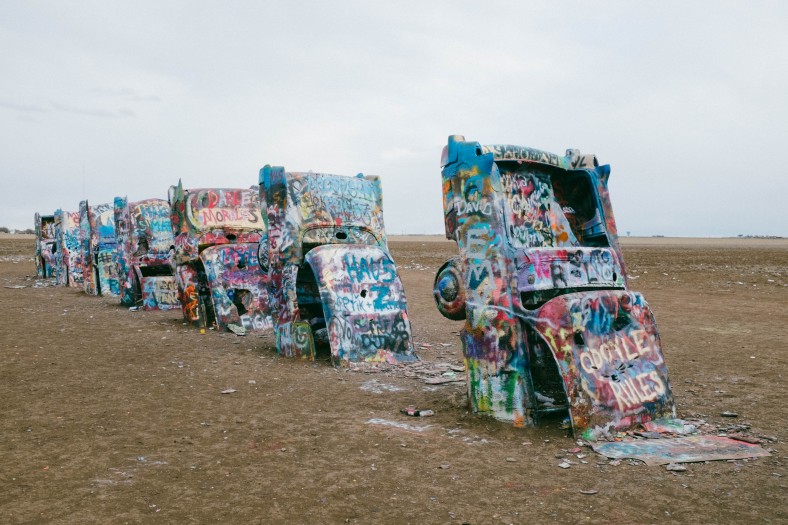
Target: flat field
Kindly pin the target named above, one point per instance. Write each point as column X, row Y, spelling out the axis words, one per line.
column 112, row 416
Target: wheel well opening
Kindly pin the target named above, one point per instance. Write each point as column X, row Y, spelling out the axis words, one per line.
column 310, row 307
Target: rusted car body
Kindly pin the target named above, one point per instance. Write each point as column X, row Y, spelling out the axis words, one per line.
column 144, row 238
column 550, row 323
column 68, row 264
column 333, row 282
column 214, row 256
column 45, row 245
column 98, row 249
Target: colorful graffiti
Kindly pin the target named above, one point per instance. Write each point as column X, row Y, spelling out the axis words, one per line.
column 45, row 245
column 550, row 325
column 85, row 252
column 68, row 259
column 98, row 249
column 239, row 287
column 333, row 283
column 159, row 292
column 144, row 237
column 218, row 233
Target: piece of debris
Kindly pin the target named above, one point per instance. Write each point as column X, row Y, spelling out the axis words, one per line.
column 411, row 410
column 237, row 329
column 511, row 460
column 728, row 413
column 747, row 439
column 442, row 380
column 564, row 464
column 228, row 391
column 679, row 450
column 670, row 426
column 589, row 492
column 674, row 467
column 376, row 387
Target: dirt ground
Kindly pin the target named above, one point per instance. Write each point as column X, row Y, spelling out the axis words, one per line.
column 112, row 416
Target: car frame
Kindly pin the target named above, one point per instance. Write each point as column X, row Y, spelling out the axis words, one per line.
column 217, row 232
column 333, row 281
column 45, row 245
column 551, row 326
column 98, row 249
column 144, row 238
column 68, row 264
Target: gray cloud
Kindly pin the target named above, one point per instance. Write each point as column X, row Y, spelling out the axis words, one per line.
column 94, row 112
column 684, row 100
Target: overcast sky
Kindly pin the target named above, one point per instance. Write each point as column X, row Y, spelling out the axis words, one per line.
column 687, row 101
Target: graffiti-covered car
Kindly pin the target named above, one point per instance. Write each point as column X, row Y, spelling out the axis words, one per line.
column 144, row 238
column 333, row 282
column 45, row 245
column 98, row 249
column 550, row 323
column 214, row 256
column 68, row 264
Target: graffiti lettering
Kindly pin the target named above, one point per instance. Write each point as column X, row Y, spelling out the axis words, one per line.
column 631, row 392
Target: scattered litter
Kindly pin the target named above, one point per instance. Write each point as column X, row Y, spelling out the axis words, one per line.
column 564, row 464
column 545, row 400
column 728, row 413
column 669, row 426
column 228, row 391
column 688, row 449
column 411, row 410
column 589, row 492
column 376, row 387
column 16, row 287
column 649, row 435
column 445, row 466
column 397, row 424
column 237, row 329
column 134, row 309
column 673, row 467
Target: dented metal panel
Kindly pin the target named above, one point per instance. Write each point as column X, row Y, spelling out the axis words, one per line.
column 239, row 287
column 144, row 239
column 328, row 261
column 364, row 303
column 550, row 324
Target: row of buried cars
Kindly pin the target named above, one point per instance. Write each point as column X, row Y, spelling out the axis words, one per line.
column 551, row 325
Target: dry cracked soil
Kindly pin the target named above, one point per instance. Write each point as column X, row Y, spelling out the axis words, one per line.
column 113, row 416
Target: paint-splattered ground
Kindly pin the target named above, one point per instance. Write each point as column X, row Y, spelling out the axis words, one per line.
column 111, row 416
